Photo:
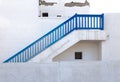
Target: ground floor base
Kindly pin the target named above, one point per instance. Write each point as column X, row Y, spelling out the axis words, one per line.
column 61, row 72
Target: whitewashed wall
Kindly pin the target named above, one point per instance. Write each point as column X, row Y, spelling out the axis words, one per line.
column 60, row 9
column 111, row 47
column 90, row 52
column 61, row 72
column 87, row 41
column 20, row 25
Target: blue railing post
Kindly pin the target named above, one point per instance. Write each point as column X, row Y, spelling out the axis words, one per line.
column 76, row 27
column 102, row 22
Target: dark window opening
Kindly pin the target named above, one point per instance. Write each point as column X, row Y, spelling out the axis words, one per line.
column 59, row 16
column 44, row 14
column 78, row 55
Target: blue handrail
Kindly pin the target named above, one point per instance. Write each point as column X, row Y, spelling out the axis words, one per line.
column 76, row 22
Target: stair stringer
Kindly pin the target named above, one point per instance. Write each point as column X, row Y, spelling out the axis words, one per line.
column 77, row 35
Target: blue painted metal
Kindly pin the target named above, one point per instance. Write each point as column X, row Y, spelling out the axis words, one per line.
column 102, row 22
column 73, row 23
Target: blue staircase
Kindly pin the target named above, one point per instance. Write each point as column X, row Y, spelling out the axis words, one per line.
column 76, row 22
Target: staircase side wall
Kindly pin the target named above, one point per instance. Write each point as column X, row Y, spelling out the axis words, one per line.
column 67, row 42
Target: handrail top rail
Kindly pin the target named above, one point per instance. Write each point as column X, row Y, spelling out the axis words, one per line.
column 90, row 14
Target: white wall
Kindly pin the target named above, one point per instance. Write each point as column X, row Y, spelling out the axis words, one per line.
column 104, row 6
column 61, row 72
column 60, row 9
column 88, row 37
column 89, row 49
column 20, row 25
column 111, row 47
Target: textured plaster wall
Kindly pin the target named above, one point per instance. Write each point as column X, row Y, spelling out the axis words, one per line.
column 90, row 51
column 61, row 72
column 60, row 9
column 90, row 45
column 111, row 47
column 20, row 25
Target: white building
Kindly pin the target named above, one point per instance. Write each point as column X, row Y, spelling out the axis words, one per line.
column 38, row 32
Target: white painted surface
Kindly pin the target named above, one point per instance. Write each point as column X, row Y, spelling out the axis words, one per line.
column 60, row 9
column 20, row 25
column 111, row 47
column 104, row 6
column 29, row 73
column 67, row 42
column 61, row 72
column 90, row 52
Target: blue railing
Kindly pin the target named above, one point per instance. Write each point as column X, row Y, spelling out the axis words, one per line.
column 76, row 22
